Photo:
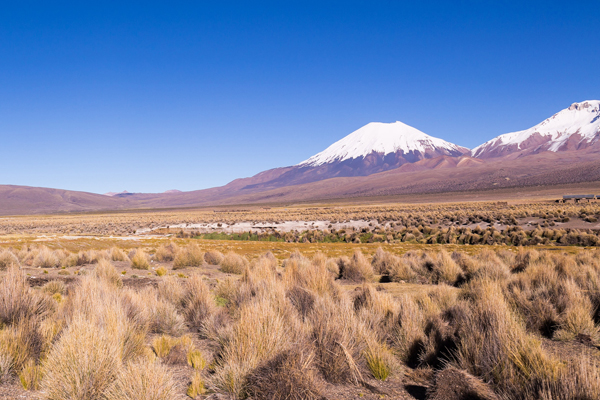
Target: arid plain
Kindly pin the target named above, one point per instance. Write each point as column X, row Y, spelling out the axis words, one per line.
column 479, row 300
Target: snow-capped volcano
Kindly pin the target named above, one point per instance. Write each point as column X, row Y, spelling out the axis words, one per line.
column 383, row 139
column 376, row 147
column 573, row 128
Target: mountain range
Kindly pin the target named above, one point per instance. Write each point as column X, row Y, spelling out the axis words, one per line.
column 380, row 159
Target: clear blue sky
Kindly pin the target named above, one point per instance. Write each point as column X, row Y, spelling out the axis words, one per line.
column 149, row 96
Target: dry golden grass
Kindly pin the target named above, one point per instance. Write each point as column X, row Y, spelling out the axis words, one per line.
column 188, row 256
column 18, row 302
column 166, row 252
column 140, row 260
column 105, row 271
column 287, row 375
column 281, row 329
column 233, row 263
column 196, row 360
column 214, row 257
column 356, row 269
column 8, row 260
column 259, row 334
column 116, row 254
column 161, row 271
column 82, row 364
column 196, row 386
column 30, row 376
column 142, row 380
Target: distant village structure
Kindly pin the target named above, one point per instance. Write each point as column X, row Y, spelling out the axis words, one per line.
column 579, row 198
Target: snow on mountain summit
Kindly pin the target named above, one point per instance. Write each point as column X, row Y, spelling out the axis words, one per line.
column 573, row 127
column 383, row 138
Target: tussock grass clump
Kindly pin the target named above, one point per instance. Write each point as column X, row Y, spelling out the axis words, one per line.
column 8, row 260
column 170, row 290
column 338, row 337
column 302, row 299
column 314, row 276
column 103, row 306
column 579, row 379
column 20, row 343
column 6, row 364
column 107, row 272
column 392, row 267
column 453, row 383
column 288, row 375
column 195, row 359
column 148, row 312
column 46, row 258
column 30, row 376
column 116, row 254
column 233, row 263
column 214, row 257
column 408, row 336
column 166, row 252
column 379, row 361
column 54, row 287
column 161, row 271
column 196, row 386
column 380, row 262
column 445, row 270
column 377, row 310
column 188, row 256
column 140, row 260
column 260, row 333
column 576, row 319
column 82, row 364
column 142, row 380
column 18, row 302
column 162, row 345
column 490, row 266
column 494, row 344
column 197, row 303
column 356, row 269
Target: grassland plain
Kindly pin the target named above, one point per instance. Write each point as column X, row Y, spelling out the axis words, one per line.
column 525, row 223
column 90, row 313
column 153, row 318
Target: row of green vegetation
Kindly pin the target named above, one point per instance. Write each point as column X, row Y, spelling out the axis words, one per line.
column 250, row 236
column 514, row 236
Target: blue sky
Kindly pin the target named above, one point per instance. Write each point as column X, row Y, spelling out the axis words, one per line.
column 150, row 96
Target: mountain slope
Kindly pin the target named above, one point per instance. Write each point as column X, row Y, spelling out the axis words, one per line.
column 573, row 128
column 35, row 200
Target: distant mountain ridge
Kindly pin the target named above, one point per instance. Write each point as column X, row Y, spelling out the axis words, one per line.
column 379, row 159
